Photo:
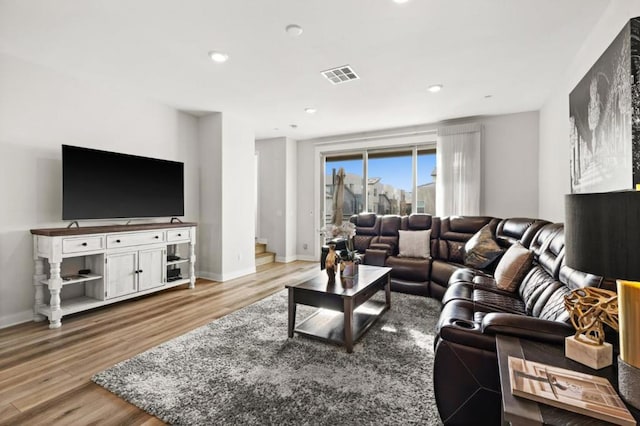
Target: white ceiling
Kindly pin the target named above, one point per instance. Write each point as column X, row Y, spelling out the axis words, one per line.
column 514, row 50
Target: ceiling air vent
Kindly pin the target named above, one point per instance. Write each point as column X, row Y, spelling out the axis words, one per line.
column 340, row 74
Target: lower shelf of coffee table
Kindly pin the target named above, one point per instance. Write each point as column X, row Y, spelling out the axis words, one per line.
column 328, row 325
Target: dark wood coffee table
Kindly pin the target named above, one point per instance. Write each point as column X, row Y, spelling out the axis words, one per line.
column 346, row 311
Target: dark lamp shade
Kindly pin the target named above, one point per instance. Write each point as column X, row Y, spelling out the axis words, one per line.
column 602, row 234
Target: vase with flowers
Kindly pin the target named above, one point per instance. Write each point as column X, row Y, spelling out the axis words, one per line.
column 348, row 257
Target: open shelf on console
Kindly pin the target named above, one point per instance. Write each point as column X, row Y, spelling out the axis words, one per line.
column 177, row 262
column 74, row 279
column 76, row 304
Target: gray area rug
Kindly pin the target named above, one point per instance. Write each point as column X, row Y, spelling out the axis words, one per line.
column 242, row 369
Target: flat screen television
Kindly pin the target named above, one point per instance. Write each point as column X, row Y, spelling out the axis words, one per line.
column 105, row 185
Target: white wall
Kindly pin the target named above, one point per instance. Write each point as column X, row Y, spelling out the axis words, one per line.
column 227, row 206
column 509, row 168
column 40, row 110
column 277, row 184
column 271, row 193
column 554, row 151
column 210, row 190
column 291, row 202
column 307, row 228
column 510, row 165
column 238, row 202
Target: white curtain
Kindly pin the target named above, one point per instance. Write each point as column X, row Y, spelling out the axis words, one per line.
column 458, row 170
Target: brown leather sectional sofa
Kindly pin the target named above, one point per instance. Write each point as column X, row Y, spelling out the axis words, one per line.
column 475, row 310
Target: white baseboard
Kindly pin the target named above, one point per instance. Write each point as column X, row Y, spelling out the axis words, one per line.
column 307, row 257
column 225, row 277
column 15, row 319
column 286, row 259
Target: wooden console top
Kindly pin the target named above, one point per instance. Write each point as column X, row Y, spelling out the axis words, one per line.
column 63, row 232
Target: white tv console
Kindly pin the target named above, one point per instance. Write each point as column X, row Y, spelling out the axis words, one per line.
column 125, row 261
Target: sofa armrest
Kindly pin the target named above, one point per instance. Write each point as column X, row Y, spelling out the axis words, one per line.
column 381, row 246
column 375, row 257
column 526, row 327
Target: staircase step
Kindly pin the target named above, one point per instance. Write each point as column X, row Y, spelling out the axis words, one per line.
column 261, row 248
column 264, row 258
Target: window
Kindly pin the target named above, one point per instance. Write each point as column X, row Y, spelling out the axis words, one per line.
column 391, row 179
column 392, row 184
column 426, row 188
column 353, row 193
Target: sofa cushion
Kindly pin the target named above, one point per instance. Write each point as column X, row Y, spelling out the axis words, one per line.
column 496, row 302
column 409, row 268
column 414, row 244
column 482, row 249
column 512, row 268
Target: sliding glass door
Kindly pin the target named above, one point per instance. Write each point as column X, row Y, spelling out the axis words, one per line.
column 383, row 181
column 390, row 182
column 353, row 194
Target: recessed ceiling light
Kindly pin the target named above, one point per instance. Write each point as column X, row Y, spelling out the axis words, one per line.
column 400, row 1
column 293, row 30
column 218, row 57
column 310, row 110
column 435, row 88
column 488, row 96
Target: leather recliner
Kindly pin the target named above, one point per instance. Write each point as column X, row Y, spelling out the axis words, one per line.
column 453, row 234
column 411, row 274
column 474, row 312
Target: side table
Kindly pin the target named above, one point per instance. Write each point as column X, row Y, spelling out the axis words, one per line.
column 522, row 411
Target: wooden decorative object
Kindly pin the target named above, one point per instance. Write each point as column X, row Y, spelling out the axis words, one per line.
column 589, row 308
column 331, row 263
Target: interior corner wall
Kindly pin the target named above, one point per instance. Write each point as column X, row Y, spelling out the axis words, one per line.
column 554, row 153
column 277, row 184
column 41, row 109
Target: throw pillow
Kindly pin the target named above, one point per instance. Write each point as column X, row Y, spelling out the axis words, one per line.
column 414, row 244
column 512, row 268
column 482, row 249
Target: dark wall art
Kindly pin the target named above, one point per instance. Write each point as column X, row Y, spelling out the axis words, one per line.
column 604, row 118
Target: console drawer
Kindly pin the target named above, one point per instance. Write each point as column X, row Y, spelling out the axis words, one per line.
column 82, row 244
column 180, row 234
column 134, row 239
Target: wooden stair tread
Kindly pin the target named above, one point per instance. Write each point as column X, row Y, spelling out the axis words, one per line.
column 264, row 258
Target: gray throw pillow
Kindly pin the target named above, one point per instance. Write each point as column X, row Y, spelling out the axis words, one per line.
column 482, row 249
column 513, row 267
column 414, row 244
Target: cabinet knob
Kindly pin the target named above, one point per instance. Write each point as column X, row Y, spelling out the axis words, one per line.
column 84, row 244
column 140, row 271
column 156, row 237
column 117, row 241
column 179, row 235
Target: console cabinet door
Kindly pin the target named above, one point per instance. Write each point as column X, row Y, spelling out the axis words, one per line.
column 121, row 274
column 151, row 267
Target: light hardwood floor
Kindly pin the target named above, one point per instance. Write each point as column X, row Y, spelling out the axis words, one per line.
column 45, row 374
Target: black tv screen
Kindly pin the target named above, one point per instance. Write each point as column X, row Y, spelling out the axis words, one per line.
column 101, row 185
